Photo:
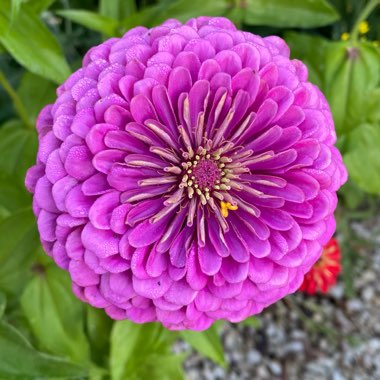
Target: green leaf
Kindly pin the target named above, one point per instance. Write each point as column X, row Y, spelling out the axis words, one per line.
column 143, row 342
column 123, row 331
column 372, row 106
column 352, row 195
column 363, row 159
column 29, row 41
column 18, row 147
column 145, row 17
column 236, row 14
column 290, row 13
column 180, row 9
column 312, row 51
column 184, row 9
column 253, row 322
column 39, row 6
column 55, row 314
column 207, row 343
column 16, row 5
column 117, row 9
column 98, row 328
column 13, row 197
column 161, row 367
column 20, row 361
column 3, row 304
column 351, row 74
column 4, row 213
column 18, row 241
column 35, row 92
column 92, row 20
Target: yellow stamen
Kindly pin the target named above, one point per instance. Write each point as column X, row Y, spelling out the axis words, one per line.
column 363, row 27
column 345, row 36
column 226, row 206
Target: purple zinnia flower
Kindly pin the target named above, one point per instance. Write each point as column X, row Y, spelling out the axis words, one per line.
column 186, row 173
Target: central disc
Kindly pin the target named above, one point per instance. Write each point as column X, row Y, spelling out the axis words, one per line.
column 206, row 173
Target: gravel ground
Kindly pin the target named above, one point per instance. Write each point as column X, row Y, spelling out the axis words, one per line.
column 309, row 338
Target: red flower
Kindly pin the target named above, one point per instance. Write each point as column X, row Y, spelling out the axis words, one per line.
column 324, row 273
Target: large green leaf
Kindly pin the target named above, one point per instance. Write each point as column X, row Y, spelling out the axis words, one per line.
column 352, row 197
column 15, row 9
column 351, row 74
column 40, row 5
column 363, row 159
column 29, row 41
column 55, row 314
column 135, row 346
column 290, row 13
column 18, row 147
column 35, row 92
column 92, row 20
column 207, row 343
column 160, row 367
column 144, row 17
column 184, row 9
column 236, row 14
column 20, row 361
column 180, row 9
column 3, row 304
column 13, row 197
column 312, row 51
column 18, row 241
column 117, row 9
column 98, row 328
column 372, row 108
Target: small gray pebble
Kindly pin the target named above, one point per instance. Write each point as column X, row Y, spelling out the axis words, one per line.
column 275, row 368
column 254, row 357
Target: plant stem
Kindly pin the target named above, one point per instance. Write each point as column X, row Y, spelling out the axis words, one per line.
column 17, row 103
column 372, row 4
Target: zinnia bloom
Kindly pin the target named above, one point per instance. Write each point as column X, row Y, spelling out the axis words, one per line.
column 324, row 273
column 186, row 173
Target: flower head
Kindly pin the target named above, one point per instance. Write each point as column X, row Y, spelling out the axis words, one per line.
column 186, row 173
column 324, row 273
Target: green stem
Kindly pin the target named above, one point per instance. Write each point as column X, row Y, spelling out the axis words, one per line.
column 17, row 103
column 372, row 4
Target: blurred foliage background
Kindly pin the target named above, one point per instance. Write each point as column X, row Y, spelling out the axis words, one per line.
column 45, row 332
